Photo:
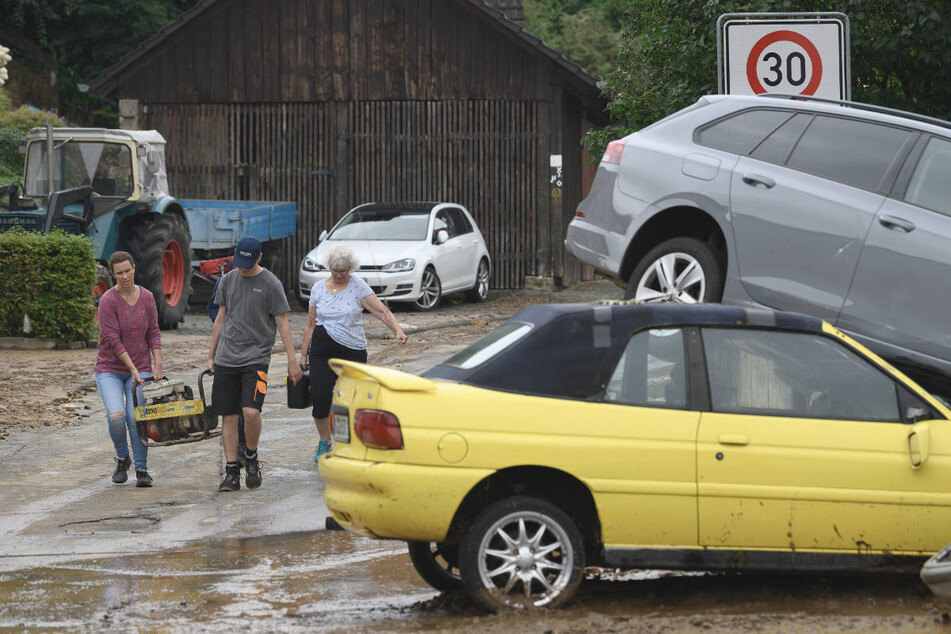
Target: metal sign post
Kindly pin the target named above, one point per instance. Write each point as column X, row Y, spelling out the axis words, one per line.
column 786, row 53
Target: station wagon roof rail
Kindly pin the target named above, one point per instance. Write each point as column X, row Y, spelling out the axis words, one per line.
column 868, row 108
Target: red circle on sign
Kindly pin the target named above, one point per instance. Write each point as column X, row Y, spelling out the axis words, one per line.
column 784, row 36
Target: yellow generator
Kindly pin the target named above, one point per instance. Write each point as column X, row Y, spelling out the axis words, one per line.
column 171, row 415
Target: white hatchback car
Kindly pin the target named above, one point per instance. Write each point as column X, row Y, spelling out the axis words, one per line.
column 409, row 251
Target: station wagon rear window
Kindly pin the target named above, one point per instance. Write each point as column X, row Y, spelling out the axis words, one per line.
column 489, row 346
column 742, row 132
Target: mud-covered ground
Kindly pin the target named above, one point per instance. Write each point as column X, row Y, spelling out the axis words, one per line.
column 46, row 387
column 52, row 388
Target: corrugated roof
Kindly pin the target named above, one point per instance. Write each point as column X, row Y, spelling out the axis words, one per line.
column 499, row 12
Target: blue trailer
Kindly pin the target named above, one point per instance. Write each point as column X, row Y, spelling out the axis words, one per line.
column 111, row 186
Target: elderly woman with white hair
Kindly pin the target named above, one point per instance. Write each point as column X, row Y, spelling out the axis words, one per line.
column 335, row 331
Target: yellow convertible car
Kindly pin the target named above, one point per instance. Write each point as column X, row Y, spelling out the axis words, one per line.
column 698, row 437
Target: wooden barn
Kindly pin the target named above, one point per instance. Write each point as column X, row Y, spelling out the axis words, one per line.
column 333, row 103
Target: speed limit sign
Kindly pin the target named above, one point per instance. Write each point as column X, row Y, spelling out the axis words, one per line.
column 795, row 56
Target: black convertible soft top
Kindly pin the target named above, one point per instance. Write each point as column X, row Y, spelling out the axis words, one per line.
column 572, row 348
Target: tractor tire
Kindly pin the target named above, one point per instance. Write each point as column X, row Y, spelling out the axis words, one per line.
column 104, row 282
column 161, row 247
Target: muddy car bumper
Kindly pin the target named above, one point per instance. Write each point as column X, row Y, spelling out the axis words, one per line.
column 398, row 501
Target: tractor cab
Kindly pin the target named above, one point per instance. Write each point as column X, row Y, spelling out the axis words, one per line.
column 93, row 172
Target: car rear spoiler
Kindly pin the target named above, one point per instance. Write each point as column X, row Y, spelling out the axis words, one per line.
column 390, row 379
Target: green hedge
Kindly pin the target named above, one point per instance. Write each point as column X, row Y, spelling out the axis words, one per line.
column 11, row 162
column 50, row 279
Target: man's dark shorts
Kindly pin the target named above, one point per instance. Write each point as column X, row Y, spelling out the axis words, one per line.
column 236, row 388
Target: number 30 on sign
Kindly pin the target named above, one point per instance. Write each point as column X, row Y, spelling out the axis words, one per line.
column 788, row 57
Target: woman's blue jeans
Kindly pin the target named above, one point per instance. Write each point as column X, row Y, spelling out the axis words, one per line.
column 116, row 392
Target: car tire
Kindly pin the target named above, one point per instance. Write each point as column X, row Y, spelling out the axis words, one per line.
column 703, row 283
column 430, row 290
column 480, row 291
column 437, row 564
column 501, row 534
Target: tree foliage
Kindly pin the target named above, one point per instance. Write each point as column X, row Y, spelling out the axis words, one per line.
column 900, row 53
column 83, row 38
column 587, row 32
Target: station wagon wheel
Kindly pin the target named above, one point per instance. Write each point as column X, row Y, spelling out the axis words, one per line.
column 430, row 290
column 521, row 552
column 437, row 564
column 678, row 271
column 480, row 291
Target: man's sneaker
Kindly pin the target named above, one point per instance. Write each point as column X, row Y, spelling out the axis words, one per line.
column 121, row 474
column 142, row 478
column 252, row 472
column 232, row 481
column 322, row 447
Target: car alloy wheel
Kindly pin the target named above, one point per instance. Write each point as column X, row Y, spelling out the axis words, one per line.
column 430, row 290
column 480, row 291
column 437, row 564
column 676, row 277
column 522, row 552
column 678, row 271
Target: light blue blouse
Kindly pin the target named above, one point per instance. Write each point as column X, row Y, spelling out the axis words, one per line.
column 341, row 314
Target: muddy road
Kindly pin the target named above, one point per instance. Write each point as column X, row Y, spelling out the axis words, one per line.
column 78, row 553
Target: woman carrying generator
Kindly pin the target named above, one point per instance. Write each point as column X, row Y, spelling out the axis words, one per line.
column 130, row 351
column 335, row 331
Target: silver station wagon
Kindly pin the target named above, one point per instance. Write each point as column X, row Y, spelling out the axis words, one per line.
column 836, row 209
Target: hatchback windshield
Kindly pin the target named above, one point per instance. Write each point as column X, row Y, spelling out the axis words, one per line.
column 105, row 166
column 383, row 224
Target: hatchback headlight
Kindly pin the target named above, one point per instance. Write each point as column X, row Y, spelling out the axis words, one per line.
column 310, row 265
column 406, row 264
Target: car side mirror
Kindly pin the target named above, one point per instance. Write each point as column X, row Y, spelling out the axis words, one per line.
column 322, row 236
column 919, row 444
column 441, row 237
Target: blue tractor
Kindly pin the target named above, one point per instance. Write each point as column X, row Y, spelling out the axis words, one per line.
column 112, row 186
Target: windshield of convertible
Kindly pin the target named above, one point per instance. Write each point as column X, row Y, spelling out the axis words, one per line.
column 105, row 166
column 383, row 224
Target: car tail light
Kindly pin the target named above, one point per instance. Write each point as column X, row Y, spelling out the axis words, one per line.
column 377, row 429
column 613, row 154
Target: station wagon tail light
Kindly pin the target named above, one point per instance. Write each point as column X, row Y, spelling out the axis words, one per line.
column 378, row 429
column 613, row 154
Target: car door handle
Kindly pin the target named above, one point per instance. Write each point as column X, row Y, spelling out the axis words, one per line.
column 755, row 180
column 733, row 439
column 896, row 224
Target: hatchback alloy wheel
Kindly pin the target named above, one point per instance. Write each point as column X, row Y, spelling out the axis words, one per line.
column 480, row 291
column 522, row 552
column 430, row 290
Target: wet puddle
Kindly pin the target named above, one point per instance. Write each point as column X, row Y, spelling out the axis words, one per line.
column 329, row 581
column 316, row 581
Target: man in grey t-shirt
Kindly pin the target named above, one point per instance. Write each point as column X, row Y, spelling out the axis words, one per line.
column 252, row 306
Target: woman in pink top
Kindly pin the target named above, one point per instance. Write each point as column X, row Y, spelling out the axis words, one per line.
column 129, row 341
